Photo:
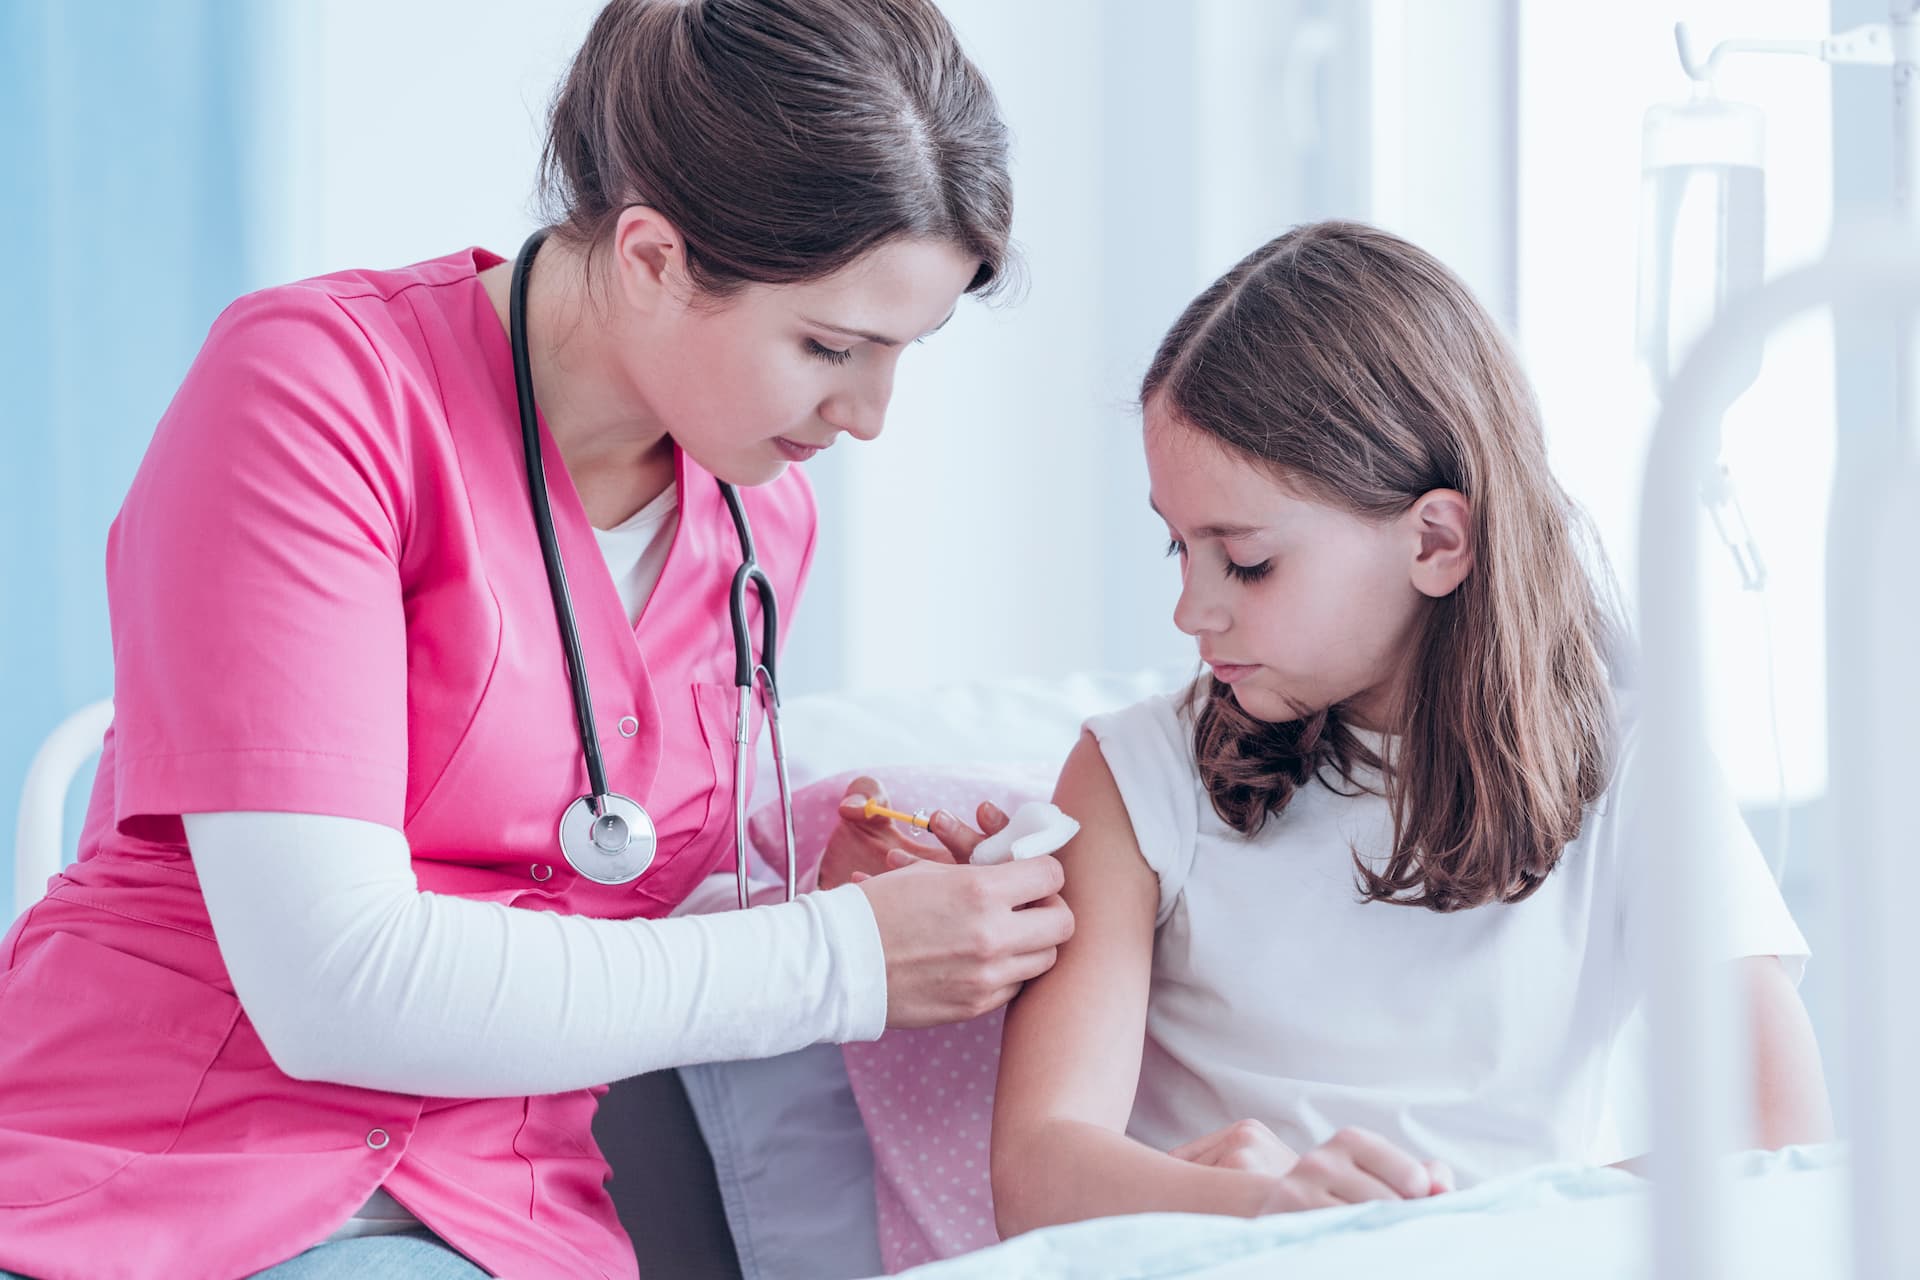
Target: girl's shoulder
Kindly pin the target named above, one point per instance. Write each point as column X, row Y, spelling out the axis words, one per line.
column 1151, row 739
column 1148, row 748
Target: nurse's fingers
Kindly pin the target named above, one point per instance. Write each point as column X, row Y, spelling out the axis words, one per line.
column 1024, row 968
column 961, row 839
column 1018, row 970
column 853, row 812
column 1047, row 923
column 853, row 803
column 898, row 857
column 1023, row 880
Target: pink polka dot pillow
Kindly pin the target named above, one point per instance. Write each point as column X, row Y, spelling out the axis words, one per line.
column 925, row 1094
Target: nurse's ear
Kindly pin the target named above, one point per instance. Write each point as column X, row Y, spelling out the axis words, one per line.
column 649, row 263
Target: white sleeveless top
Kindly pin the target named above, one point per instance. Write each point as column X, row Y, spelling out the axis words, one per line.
column 1479, row 1037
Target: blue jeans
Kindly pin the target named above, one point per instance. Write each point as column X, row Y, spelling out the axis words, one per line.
column 413, row 1256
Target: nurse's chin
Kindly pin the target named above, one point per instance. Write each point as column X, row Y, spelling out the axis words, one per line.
column 748, row 470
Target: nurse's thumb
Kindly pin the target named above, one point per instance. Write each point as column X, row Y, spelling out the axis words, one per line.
column 897, row 858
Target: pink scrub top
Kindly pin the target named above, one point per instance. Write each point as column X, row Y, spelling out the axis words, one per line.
column 327, row 597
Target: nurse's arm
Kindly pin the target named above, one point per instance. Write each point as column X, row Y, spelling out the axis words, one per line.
column 351, row 974
column 1070, row 1057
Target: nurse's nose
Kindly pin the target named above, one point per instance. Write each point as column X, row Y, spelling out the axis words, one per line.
column 860, row 410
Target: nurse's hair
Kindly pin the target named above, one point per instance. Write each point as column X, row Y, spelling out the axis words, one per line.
column 783, row 138
column 1359, row 370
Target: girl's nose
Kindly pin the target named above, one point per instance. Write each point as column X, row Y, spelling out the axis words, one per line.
column 1194, row 613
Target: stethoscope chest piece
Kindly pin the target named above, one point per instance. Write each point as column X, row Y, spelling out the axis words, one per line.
column 613, row 847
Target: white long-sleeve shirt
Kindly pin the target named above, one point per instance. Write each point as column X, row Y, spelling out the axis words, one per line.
column 351, row 974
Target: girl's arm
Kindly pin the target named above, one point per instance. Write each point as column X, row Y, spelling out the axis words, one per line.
column 1789, row 1088
column 1070, row 1054
column 1070, row 1064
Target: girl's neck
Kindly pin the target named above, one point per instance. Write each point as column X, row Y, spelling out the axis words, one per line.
column 1376, row 710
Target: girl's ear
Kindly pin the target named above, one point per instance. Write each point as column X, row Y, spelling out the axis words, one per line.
column 1442, row 520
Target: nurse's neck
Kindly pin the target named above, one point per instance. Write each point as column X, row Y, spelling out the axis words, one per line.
column 618, row 458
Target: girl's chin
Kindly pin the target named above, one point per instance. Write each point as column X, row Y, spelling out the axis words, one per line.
column 1259, row 703
column 1267, row 705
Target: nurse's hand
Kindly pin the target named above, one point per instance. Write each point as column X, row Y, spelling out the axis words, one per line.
column 859, row 845
column 960, row 940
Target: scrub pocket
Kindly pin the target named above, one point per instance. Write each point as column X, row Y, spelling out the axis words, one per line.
column 101, row 1054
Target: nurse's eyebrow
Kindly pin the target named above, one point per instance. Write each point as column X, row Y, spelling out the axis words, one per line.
column 1215, row 530
column 877, row 339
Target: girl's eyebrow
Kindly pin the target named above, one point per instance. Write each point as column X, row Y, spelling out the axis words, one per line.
column 1214, row 530
column 877, row 339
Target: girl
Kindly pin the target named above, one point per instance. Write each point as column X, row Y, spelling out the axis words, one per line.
column 1364, row 891
column 321, row 971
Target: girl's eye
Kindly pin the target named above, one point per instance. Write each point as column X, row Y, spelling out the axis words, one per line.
column 831, row 355
column 1238, row 572
column 1249, row 572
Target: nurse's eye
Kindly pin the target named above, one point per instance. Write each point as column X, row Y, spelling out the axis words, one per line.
column 1249, row 572
column 1175, row 547
column 832, row 355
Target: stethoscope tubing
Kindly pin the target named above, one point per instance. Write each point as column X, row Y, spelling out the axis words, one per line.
column 747, row 672
column 543, row 523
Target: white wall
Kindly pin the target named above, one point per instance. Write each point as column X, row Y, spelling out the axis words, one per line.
column 412, row 129
column 1586, row 85
column 1000, row 526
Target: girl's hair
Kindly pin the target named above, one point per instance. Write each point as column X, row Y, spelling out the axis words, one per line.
column 783, row 138
column 1357, row 368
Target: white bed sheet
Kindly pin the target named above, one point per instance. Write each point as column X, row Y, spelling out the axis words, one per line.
column 1788, row 1210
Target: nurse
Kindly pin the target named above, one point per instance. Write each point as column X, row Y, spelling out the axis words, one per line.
column 321, row 972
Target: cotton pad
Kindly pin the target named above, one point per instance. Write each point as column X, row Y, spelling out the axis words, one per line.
column 1036, row 828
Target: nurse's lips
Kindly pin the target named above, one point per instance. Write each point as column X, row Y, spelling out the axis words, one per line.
column 795, row 451
column 1228, row 672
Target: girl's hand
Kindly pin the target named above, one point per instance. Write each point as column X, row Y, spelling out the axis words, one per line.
column 1244, row 1144
column 859, row 846
column 1352, row 1167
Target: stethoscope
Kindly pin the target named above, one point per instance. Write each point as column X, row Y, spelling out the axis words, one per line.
column 606, row 836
